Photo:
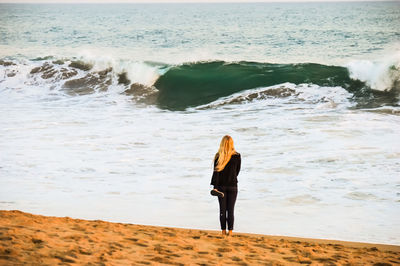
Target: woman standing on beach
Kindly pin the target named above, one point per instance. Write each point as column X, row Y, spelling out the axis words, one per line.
column 224, row 179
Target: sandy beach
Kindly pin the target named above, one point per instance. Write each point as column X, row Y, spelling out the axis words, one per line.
column 41, row 240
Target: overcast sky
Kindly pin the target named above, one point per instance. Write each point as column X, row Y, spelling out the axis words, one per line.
column 168, row 1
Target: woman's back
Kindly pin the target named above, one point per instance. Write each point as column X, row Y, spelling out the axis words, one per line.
column 228, row 176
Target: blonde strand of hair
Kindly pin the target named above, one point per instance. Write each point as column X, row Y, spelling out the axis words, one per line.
column 225, row 152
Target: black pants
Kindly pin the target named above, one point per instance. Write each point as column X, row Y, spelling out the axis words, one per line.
column 226, row 206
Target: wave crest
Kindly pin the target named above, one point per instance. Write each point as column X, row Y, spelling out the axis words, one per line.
column 379, row 76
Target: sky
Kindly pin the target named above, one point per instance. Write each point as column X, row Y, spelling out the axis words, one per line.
column 169, row 1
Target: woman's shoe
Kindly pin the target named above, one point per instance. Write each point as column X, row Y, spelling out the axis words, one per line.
column 215, row 192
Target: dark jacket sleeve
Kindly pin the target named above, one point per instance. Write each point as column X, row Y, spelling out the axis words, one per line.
column 238, row 165
column 215, row 176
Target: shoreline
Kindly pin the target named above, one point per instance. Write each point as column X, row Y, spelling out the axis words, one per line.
column 48, row 240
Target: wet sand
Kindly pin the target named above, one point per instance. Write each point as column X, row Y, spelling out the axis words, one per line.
column 41, row 240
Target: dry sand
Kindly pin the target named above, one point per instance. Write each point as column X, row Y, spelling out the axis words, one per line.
column 40, row 240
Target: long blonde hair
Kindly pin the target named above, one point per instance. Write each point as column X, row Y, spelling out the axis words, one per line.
column 225, row 152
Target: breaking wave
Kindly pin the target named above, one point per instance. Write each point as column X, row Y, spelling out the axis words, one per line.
column 198, row 84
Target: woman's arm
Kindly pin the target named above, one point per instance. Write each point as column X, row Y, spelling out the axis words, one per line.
column 238, row 165
column 214, row 179
column 215, row 176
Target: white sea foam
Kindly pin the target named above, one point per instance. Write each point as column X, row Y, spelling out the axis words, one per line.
column 380, row 75
column 137, row 71
column 287, row 93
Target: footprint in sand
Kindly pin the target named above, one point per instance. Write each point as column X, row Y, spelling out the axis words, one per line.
column 132, row 239
column 262, row 246
column 141, row 244
column 64, row 259
column 325, row 260
column 338, row 247
column 304, row 260
column 252, row 256
column 84, row 252
column 306, row 254
column 339, row 256
column 224, row 249
column 38, row 243
column 235, row 258
column 291, row 259
column 161, row 260
column 158, row 248
column 117, row 244
column 169, row 234
column 144, row 262
column 74, row 237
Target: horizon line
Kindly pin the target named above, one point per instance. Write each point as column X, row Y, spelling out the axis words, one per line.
column 179, row 1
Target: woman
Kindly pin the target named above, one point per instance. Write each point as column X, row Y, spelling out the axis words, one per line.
column 226, row 169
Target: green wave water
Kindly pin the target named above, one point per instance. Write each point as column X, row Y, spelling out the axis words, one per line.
column 195, row 84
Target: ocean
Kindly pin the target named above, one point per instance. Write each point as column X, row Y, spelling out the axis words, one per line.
column 115, row 111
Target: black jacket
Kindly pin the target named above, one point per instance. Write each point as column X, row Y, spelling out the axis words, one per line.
column 228, row 176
